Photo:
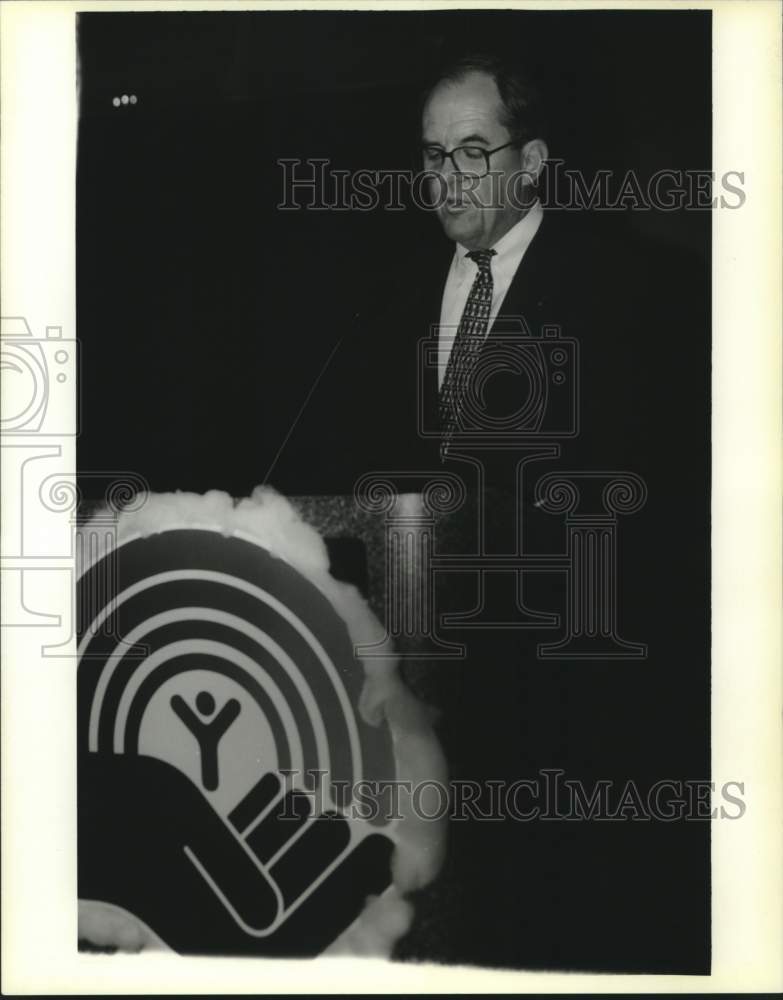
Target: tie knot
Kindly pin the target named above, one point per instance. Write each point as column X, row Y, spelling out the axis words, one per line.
column 482, row 258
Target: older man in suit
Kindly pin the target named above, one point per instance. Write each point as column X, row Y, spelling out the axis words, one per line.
column 426, row 370
column 480, row 143
column 434, row 379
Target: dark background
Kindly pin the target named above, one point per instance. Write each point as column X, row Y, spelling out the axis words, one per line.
column 205, row 314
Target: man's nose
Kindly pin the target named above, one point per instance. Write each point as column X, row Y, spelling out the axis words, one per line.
column 451, row 174
column 452, row 178
column 447, row 168
column 461, row 187
column 443, row 186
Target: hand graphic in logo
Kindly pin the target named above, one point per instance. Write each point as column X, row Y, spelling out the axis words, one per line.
column 270, row 880
column 222, row 669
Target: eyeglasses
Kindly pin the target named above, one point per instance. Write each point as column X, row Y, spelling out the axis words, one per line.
column 470, row 160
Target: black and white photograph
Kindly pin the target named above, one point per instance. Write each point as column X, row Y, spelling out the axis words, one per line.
column 390, row 485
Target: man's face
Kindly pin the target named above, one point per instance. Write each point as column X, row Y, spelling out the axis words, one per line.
column 475, row 213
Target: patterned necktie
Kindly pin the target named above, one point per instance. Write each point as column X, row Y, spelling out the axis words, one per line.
column 471, row 334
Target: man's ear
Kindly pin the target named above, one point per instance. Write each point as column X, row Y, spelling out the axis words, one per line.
column 532, row 156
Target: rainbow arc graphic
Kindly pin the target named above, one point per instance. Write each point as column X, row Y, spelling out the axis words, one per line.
column 210, row 661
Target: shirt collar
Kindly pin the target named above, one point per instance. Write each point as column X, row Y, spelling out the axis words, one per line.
column 510, row 248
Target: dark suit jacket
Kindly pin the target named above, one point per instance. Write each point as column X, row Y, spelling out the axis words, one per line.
column 635, row 311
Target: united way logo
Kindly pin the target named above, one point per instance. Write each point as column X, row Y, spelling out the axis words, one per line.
column 220, row 746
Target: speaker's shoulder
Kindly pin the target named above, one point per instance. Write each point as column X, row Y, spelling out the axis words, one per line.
column 609, row 256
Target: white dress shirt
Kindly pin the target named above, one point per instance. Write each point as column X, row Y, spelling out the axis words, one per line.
column 509, row 251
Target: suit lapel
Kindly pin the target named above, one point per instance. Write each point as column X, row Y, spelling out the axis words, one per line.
column 528, row 298
column 432, row 298
column 532, row 285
